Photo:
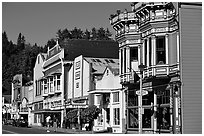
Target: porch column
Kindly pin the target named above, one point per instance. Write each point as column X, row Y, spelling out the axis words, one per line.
column 155, row 112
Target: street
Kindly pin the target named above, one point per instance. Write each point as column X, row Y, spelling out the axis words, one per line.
column 8, row 129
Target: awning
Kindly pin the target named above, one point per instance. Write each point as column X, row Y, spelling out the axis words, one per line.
column 47, row 111
column 100, row 91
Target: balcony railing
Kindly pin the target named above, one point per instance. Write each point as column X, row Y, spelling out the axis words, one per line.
column 158, row 71
column 161, row 70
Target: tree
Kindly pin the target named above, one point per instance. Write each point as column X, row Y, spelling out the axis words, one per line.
column 101, row 34
column 108, row 34
column 94, row 34
column 87, row 35
column 77, row 33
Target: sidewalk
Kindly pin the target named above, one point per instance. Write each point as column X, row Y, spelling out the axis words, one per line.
column 69, row 131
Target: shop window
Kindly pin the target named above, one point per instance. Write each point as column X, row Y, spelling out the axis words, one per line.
column 116, row 97
column 133, row 118
column 160, row 50
column 134, row 54
column 116, row 116
column 132, row 98
column 146, row 119
column 148, row 99
column 164, row 97
column 163, row 122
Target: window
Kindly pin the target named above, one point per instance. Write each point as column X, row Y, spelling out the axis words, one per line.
column 124, row 60
column 116, row 116
column 45, row 87
column 146, row 119
column 58, row 82
column 164, row 98
column 51, row 84
column 163, row 122
column 132, row 98
column 134, row 54
column 77, row 75
column 48, row 84
column 38, row 87
column 133, row 118
column 160, row 50
column 121, row 61
column 77, row 65
column 111, row 61
column 98, row 99
column 116, row 97
column 77, row 85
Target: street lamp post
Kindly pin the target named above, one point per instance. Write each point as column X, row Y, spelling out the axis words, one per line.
column 141, row 68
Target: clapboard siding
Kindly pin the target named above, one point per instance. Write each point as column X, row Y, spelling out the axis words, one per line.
column 191, row 68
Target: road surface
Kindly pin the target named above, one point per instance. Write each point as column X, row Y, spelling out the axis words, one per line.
column 8, row 129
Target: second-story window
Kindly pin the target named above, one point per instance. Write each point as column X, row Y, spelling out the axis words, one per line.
column 51, row 84
column 121, row 61
column 58, row 82
column 160, row 50
column 45, row 87
column 116, row 97
column 134, row 54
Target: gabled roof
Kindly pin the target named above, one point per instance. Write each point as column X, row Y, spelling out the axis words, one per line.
column 88, row 48
column 99, row 64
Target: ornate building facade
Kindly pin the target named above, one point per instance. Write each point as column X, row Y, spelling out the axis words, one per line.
column 150, row 34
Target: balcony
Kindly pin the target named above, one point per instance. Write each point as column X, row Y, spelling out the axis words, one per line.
column 156, row 71
column 161, row 70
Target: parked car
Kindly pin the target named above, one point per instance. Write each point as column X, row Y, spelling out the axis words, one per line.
column 20, row 123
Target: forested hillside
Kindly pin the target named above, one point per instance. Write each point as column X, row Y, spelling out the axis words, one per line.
column 20, row 58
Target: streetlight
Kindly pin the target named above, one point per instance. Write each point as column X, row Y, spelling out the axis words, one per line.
column 141, row 68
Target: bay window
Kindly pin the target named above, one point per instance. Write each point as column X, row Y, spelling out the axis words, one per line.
column 51, row 84
column 116, row 97
column 45, row 87
column 58, row 82
column 116, row 116
column 160, row 50
column 134, row 54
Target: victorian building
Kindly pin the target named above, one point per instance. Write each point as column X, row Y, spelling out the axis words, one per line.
column 109, row 97
column 166, row 38
column 62, row 78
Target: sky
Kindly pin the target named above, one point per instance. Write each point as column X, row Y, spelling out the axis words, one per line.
column 40, row 21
